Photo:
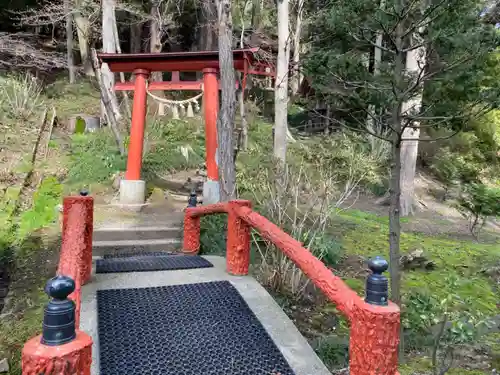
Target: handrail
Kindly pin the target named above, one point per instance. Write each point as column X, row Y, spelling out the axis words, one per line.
column 63, row 348
column 75, row 260
column 315, row 269
column 374, row 334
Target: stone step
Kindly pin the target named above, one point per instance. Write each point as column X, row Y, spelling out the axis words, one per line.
column 101, row 248
column 136, row 233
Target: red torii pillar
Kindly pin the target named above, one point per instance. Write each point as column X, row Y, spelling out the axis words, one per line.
column 211, row 193
column 132, row 188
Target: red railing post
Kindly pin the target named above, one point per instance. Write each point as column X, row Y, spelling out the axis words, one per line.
column 238, row 239
column 68, row 359
column 375, row 323
column 191, row 242
column 374, row 339
column 61, row 349
column 76, row 246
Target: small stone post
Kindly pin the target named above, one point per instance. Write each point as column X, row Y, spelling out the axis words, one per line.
column 238, row 240
column 193, row 199
column 60, row 349
column 374, row 338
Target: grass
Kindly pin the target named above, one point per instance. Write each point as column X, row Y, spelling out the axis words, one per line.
column 179, row 145
column 423, row 365
column 464, row 259
column 16, row 330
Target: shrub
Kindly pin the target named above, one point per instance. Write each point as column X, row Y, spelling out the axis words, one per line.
column 213, row 229
column 333, row 351
column 353, row 158
column 173, row 145
column 94, row 158
column 20, row 96
column 442, row 325
column 295, row 206
column 479, row 202
column 43, row 210
column 453, row 167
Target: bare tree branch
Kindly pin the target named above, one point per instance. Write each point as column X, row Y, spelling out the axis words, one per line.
column 17, row 51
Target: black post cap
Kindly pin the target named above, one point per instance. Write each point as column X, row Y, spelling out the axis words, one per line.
column 59, row 314
column 84, row 192
column 377, row 285
column 193, row 199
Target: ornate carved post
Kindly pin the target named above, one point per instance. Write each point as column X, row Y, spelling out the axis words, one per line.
column 76, row 246
column 375, row 323
column 191, row 243
column 60, row 349
column 238, row 240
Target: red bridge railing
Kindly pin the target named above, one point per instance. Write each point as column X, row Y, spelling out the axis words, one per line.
column 374, row 330
column 63, row 349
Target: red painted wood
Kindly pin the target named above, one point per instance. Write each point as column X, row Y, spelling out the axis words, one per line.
column 191, row 241
column 161, row 86
column 72, row 358
column 134, row 159
column 172, row 61
column 191, row 244
column 238, row 240
column 75, row 260
column 374, row 336
column 211, row 109
column 166, row 86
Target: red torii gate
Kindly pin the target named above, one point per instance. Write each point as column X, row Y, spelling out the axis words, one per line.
column 132, row 188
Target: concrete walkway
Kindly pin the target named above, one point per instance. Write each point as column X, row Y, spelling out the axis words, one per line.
column 285, row 335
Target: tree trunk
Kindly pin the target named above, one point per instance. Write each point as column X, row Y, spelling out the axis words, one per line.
column 296, row 77
column 281, row 85
column 83, row 29
column 106, row 104
column 69, row 42
column 244, row 123
column 225, row 120
column 109, row 46
column 415, row 63
column 377, row 59
column 207, row 39
column 256, row 4
column 395, row 182
column 155, row 46
column 136, row 37
column 241, row 96
column 122, row 75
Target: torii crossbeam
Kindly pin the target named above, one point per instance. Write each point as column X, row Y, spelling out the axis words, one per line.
column 132, row 188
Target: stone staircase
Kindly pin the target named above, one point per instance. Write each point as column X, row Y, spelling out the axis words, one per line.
column 115, row 239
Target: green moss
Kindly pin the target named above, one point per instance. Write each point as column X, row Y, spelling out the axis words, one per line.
column 94, row 159
column 357, row 285
column 15, row 330
column 462, row 259
column 363, row 217
column 8, row 200
column 423, row 365
column 43, row 210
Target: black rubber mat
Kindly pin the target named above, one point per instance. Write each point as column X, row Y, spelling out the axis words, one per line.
column 139, row 254
column 191, row 329
column 151, row 263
